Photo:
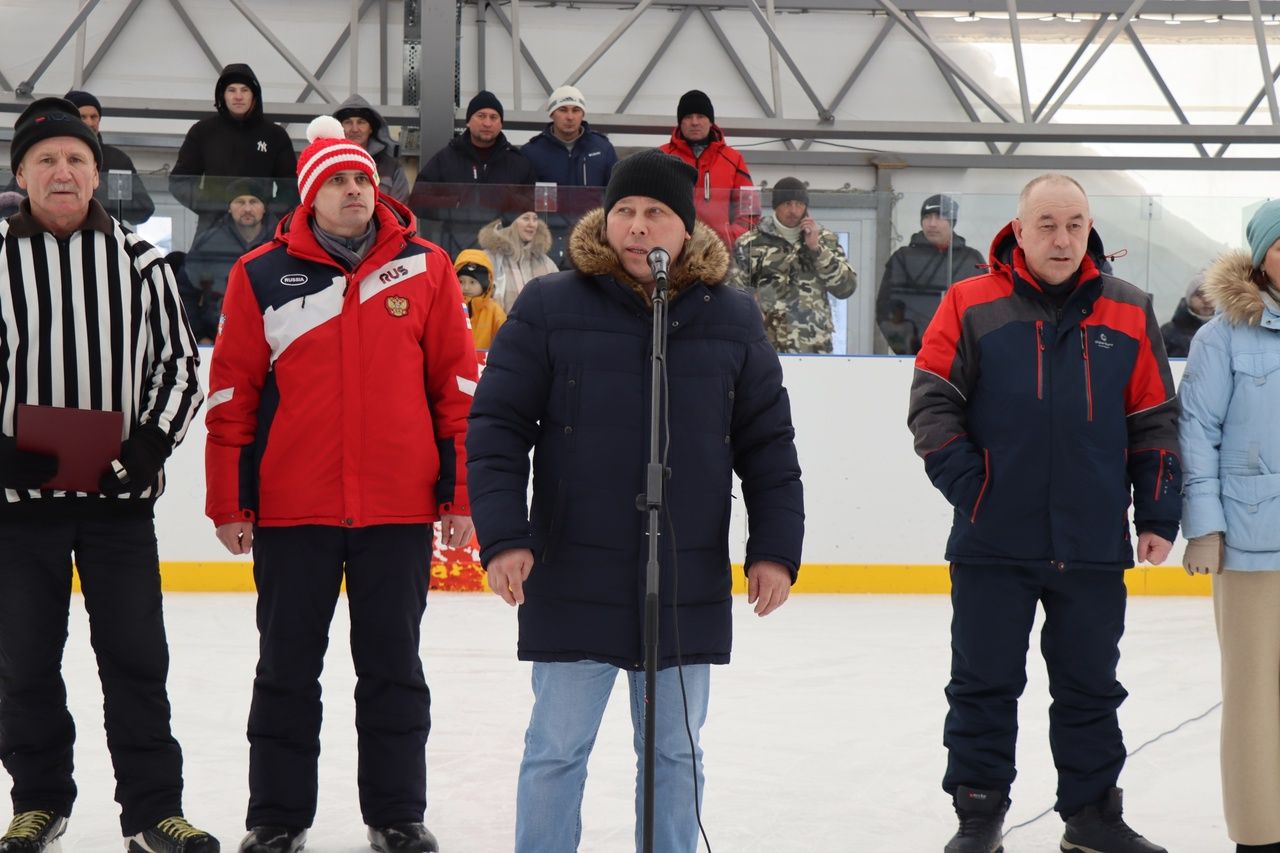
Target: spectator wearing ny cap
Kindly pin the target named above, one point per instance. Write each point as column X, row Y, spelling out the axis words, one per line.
column 936, row 257
column 446, row 195
column 236, row 142
column 722, row 172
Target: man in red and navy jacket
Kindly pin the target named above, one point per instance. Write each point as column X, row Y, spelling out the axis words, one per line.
column 1042, row 405
column 341, row 382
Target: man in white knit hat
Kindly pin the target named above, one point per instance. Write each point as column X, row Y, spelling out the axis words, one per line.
column 340, row 386
column 570, row 154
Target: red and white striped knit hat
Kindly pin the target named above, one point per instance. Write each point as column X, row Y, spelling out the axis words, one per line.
column 330, row 152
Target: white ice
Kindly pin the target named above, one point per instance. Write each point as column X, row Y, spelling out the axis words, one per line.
column 824, row 734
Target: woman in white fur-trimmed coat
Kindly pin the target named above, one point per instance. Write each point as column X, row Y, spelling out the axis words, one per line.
column 1230, row 396
column 519, row 253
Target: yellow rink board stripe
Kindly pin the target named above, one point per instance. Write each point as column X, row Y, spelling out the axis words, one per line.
column 229, row 576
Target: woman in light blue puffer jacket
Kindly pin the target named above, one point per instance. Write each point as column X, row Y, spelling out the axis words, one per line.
column 1230, row 436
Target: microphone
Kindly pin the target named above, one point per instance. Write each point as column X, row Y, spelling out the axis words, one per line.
column 658, row 261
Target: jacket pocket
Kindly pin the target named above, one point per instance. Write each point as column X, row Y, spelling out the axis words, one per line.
column 986, row 484
column 1255, row 366
column 1251, row 506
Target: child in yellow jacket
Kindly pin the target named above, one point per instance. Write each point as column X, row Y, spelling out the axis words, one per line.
column 475, row 274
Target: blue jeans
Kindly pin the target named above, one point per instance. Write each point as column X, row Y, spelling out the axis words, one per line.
column 568, row 703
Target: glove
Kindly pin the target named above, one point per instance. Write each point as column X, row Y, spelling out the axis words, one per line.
column 1203, row 554
column 141, row 457
column 24, row 469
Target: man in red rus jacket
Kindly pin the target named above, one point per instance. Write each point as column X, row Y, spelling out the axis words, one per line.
column 341, row 381
column 718, row 194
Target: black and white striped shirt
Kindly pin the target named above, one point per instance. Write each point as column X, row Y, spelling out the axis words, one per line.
column 93, row 321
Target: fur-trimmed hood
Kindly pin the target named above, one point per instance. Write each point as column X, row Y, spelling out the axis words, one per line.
column 1229, row 286
column 704, row 258
column 496, row 240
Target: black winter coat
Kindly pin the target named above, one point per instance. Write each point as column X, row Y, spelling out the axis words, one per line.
column 457, row 192
column 221, row 148
column 568, row 375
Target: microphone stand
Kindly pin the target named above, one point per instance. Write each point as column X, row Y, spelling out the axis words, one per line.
column 651, row 502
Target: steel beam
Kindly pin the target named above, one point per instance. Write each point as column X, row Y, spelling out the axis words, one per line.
column 772, row 35
column 26, row 87
column 524, row 51
column 1093, row 60
column 1260, row 36
column 959, row 7
column 343, row 35
column 1253, row 105
column 195, row 34
column 1018, row 61
column 284, row 51
column 889, row 24
column 1164, row 88
column 653, row 60
column 927, row 43
column 959, row 94
column 109, row 41
column 608, row 42
column 732, row 54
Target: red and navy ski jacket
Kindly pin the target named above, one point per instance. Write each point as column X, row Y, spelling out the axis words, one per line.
column 340, row 398
column 1039, row 423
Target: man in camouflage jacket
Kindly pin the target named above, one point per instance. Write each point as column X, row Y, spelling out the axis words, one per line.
column 790, row 263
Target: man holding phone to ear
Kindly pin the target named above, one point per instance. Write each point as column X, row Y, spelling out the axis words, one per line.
column 791, row 263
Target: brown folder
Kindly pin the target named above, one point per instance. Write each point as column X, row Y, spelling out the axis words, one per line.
column 84, row 440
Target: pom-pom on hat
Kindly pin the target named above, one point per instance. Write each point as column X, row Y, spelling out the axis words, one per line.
column 330, row 152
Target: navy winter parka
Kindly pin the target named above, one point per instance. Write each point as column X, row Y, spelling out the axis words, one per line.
column 588, row 164
column 1040, row 424
column 568, row 375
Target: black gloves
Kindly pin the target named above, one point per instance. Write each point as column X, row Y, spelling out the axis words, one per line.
column 141, row 457
column 24, row 469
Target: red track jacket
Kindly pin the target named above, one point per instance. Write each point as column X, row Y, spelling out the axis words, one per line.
column 340, row 398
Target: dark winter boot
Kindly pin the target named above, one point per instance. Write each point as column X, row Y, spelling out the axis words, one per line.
column 273, row 839
column 403, row 838
column 1258, row 848
column 1099, row 828
column 981, row 815
column 33, row 832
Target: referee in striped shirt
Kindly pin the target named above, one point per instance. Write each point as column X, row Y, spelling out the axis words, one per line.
column 89, row 318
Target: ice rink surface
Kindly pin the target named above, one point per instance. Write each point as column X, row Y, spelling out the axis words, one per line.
column 824, row 733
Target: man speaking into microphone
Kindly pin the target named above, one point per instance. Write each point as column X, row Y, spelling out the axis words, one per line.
column 568, row 376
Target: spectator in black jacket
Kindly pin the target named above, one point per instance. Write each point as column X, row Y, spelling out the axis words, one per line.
column 138, row 207
column 919, row 273
column 237, row 142
column 1193, row 311
column 446, row 197
column 365, row 126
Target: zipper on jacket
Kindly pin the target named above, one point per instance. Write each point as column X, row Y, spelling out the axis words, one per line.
column 1039, row 359
column 1088, row 373
column 706, row 186
column 1159, row 476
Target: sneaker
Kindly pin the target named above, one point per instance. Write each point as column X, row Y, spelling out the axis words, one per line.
column 403, row 838
column 273, row 839
column 173, row 835
column 1099, row 828
column 981, row 815
column 33, row 832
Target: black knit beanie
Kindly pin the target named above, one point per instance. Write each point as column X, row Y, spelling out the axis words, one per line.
column 656, row 175
column 486, row 100
column 83, row 99
column 694, row 101
column 45, row 119
column 790, row 189
column 940, row 205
